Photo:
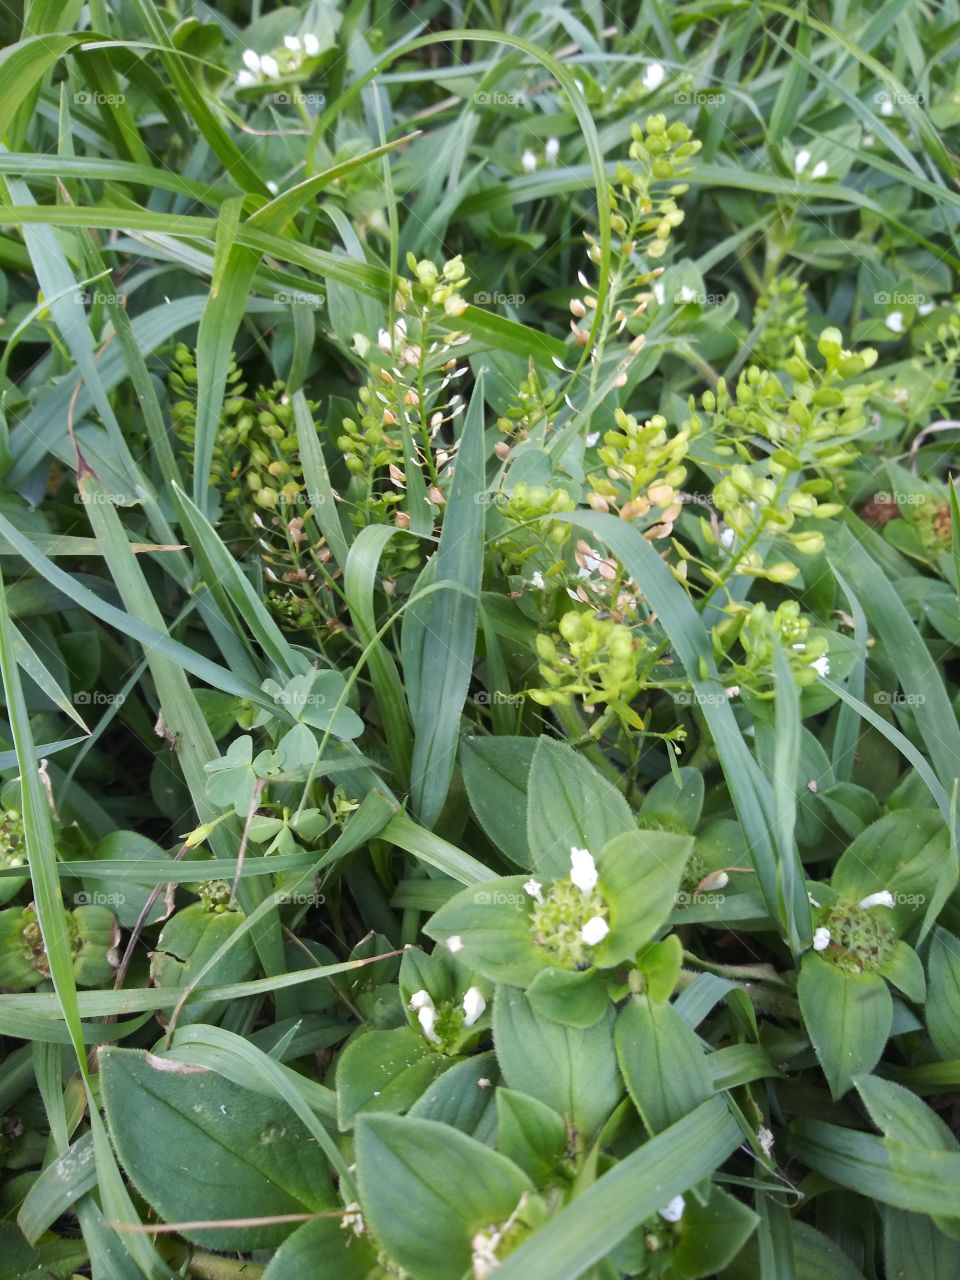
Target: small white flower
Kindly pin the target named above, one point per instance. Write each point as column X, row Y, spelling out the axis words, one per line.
column 821, row 665
column 894, row 322
column 270, row 67
column 292, row 43
column 473, row 1006
column 537, row 581
column 552, row 150
column 311, row 45
column 246, row 78
column 251, row 60
column 821, row 939
column 728, row 537
column 592, row 438
column 673, row 1211
column 801, row 160
column 925, row 308
column 427, row 1017
column 658, row 292
column 686, row 294
column 819, row 170
column 886, row 107
column 352, row 1220
column 653, row 76
column 421, row 1000
column 882, row 899
column 535, row 889
column 583, row 869
column 528, row 161
column 454, row 943
column 868, row 139
column 594, row 931
column 272, row 188
column 765, row 1138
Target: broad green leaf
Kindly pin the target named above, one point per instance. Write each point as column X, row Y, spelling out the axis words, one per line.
column 493, row 920
column 385, row 1071
column 848, row 1017
column 640, row 875
column 904, row 852
column 531, row 1134
column 578, row 998
column 662, row 1061
column 427, row 1189
column 496, row 772
column 569, row 804
column 943, row 993
column 913, row 1245
column 463, row 1097
column 197, row 1146
column 323, row 1250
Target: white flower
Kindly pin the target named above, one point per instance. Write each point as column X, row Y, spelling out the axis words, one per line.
column 535, row 889
column 594, row 931
column 801, row 160
column 270, row 67
column 821, row 939
column 552, row 150
column 894, row 322
column 886, row 107
column 537, row 581
column 528, row 161
column 686, row 294
column 653, row 76
column 245, row 79
column 658, row 292
column 925, row 308
column 251, row 60
column 292, row 43
column 583, row 869
column 765, row 1138
column 728, row 537
column 592, row 438
column 454, row 943
column 821, row 665
column 272, row 188
column 473, row 1006
column 868, row 139
column 882, row 899
column 311, row 45
column 421, row 1000
column 427, row 1017
column 352, row 1219
column 819, row 170
column 673, row 1211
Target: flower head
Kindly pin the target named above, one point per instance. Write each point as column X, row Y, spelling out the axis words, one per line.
column 594, row 931
column 552, row 150
column 535, row 889
column 583, row 869
column 528, row 161
column 454, row 943
column 821, row 939
column 473, row 1006
column 821, row 665
column 801, row 160
column 653, row 76
column 882, row 899
column 894, row 322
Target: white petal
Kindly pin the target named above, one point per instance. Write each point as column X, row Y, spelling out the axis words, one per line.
column 727, row 538
column 537, row 581
column 454, row 943
column 583, row 870
column 894, row 322
column 592, row 439
column 246, row 78
column 653, row 76
column 270, row 67
column 801, row 160
column 821, row 939
column 311, row 44
column 925, row 308
column 673, row 1211
column 886, row 107
column 251, row 60
column 535, row 889
column 552, row 150
column 528, row 161
column 421, row 1000
column 473, row 1006
column 822, row 665
column 292, row 43
column 427, row 1018
column 882, row 899
column 594, row 931
column 272, row 188
column 658, row 292
column 819, row 170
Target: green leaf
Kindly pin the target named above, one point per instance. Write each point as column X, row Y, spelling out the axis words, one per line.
column 913, row 1245
column 493, row 920
column 662, row 1062
column 578, row 999
column 496, row 772
column 385, row 1071
column 198, row 1146
column 943, row 994
column 640, row 875
column 463, row 1097
column 904, row 852
column 569, row 804
column 531, row 1134
column 848, row 1017
column 186, row 944
column 427, row 1189
column 323, row 1250
column 571, row 1069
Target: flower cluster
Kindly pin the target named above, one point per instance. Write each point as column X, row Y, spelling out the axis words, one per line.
column 856, row 937
column 593, row 658
column 760, row 631
column 292, row 58
column 443, row 1026
column 92, row 934
column 781, row 315
column 571, row 918
column 644, row 469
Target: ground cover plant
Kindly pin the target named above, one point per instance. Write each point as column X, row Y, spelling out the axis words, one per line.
column 478, row 623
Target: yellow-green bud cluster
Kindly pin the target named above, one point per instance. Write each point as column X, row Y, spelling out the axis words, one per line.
column 762, row 630
column 92, row 934
column 782, row 311
column 217, row 896
column 558, row 920
column 644, row 466
column 436, row 287
column 593, row 658
column 861, row 939
column 532, row 405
